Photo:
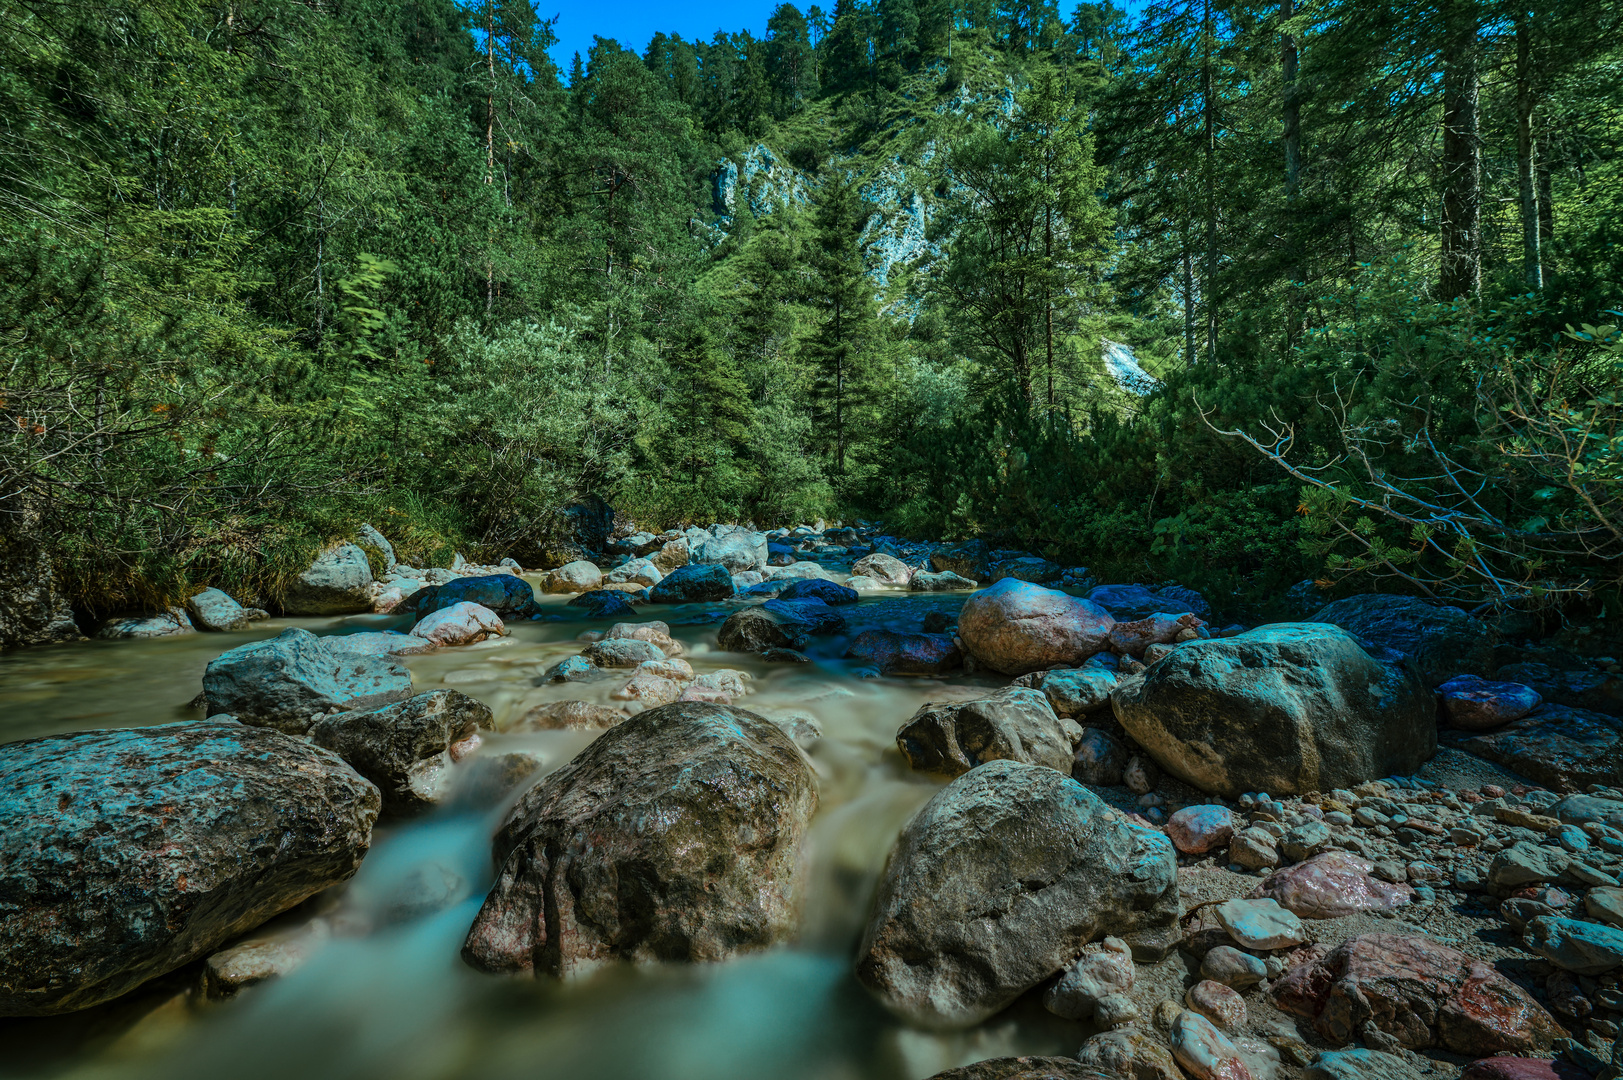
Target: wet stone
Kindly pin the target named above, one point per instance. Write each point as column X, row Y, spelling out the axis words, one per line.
column 1205, row 1052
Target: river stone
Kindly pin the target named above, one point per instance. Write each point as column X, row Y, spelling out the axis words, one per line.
column 1583, row 948
column 1103, row 969
column 815, row 617
column 883, row 568
column 621, row 653
column 377, row 643
column 648, row 689
column 1099, row 759
column 231, row 971
column 1605, row 904
column 944, row 581
column 1231, row 967
column 737, row 552
column 573, row 577
column 1196, row 830
column 339, row 582
column 602, row 604
column 694, row 583
column 460, row 624
column 972, row 559
column 1015, row 627
column 1582, row 809
column 281, row 681
column 895, row 653
column 674, row 836
column 1442, row 641
column 1420, row 993
column 1475, row 704
column 1560, row 747
column 407, row 748
column 1217, row 1003
column 829, row 592
column 1205, row 1052
column 569, row 716
column 1014, row 724
column 125, row 854
column 1079, row 691
column 1287, row 708
column 1129, row 1054
column 1134, row 638
column 998, row 882
column 1130, row 602
column 508, row 596
column 1361, row 1064
column 1260, row 924
column 656, row 633
column 757, row 629
column 1023, row 1068
column 1330, row 885
column 164, row 624
column 215, row 611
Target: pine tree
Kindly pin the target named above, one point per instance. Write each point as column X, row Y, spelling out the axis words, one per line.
column 843, row 347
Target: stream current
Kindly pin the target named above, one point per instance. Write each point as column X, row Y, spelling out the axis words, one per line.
column 384, row 992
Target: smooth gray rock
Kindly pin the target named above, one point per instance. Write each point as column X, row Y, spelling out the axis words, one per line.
column 1014, row 724
column 282, row 681
column 1015, row 627
column 738, row 552
column 941, row 581
column 166, row 624
column 693, row 583
column 366, row 534
column 998, row 883
column 125, row 854
column 621, row 653
column 215, row 611
column 339, row 582
column 757, row 629
column 407, row 748
column 674, row 836
column 1442, row 641
column 1286, row 708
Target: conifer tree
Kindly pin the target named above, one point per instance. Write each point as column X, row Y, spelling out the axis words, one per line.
column 843, row 347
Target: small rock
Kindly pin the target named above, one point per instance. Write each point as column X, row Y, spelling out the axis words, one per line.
column 230, row 971
column 1260, row 924
column 1099, row 758
column 1605, row 903
column 648, row 689
column 1305, row 840
column 1217, row 1003
column 1332, row 884
column 1475, row 704
column 1140, row 775
column 1231, row 967
column 620, row 653
column 568, row 716
column 1104, row 968
column 1195, row 830
column 1203, row 1051
column 1115, row 1010
column 213, row 610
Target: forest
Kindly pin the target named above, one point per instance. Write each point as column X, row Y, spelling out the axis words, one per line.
column 271, row 268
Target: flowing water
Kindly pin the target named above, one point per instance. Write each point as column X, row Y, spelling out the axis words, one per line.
column 384, row 992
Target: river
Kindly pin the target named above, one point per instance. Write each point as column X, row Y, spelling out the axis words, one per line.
column 386, row 996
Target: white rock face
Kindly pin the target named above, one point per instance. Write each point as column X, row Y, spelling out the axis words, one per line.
column 1123, row 367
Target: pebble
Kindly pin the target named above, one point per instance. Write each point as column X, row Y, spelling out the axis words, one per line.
column 1305, row 840
column 1217, row 1003
column 1115, row 1010
column 1231, row 967
column 1195, row 830
column 1204, row 1052
column 1260, row 924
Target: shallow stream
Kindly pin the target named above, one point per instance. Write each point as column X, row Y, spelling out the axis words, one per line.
column 384, row 992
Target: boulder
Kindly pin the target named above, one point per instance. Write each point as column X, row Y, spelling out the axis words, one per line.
column 508, row 596
column 339, row 582
column 377, row 643
column 1560, row 747
column 1497, row 1068
column 602, row 604
column 817, row 617
column 1015, row 627
column 883, row 568
column 1079, row 691
column 1330, row 885
column 407, row 748
column 998, row 883
column 971, row 560
column 1442, row 641
column 167, row 624
column 1129, row 603
column 693, row 584
column 126, row 854
column 1129, row 1054
column 672, row 555
column 366, row 536
column 655, row 632
column 674, row 836
column 569, row 716
column 33, row 607
column 829, row 592
column 906, row 654
column 459, row 624
column 1420, row 993
column 575, row 577
column 1580, row 688
column 945, row 581
column 281, row 681
column 738, row 552
column 1015, row 724
column 621, row 652
column 213, row 610
column 1472, row 703
column 636, row 572
column 1104, row 968
column 1030, row 568
column 1287, row 708
column 1583, row 948
column 1133, row 638
column 757, row 629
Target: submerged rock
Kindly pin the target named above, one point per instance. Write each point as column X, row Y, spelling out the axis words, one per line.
column 906, row 654
column 694, row 583
column 407, row 749
column 282, row 681
column 1015, row 724
column 569, row 716
column 125, row 854
column 602, row 604
column 674, row 836
column 999, row 882
column 1015, row 627
column 757, row 629
column 1287, row 708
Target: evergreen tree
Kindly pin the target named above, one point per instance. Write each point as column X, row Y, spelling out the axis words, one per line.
column 844, row 346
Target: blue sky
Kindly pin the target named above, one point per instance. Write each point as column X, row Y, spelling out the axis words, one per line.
column 633, row 22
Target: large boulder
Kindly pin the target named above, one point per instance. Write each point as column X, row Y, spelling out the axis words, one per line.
column 282, row 681
column 757, row 629
column 407, row 748
column 1420, row 993
column 126, row 854
column 1016, row 627
column 1287, row 708
column 674, row 836
column 508, row 596
column 33, row 608
column 883, row 568
column 1015, row 724
column 737, row 551
column 339, row 582
column 998, row 883
column 971, row 559
column 1442, row 641
column 695, row 583
column 579, row 576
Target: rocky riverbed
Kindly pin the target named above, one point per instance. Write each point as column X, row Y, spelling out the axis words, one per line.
column 811, row 804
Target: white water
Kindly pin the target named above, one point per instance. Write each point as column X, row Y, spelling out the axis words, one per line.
column 1123, row 367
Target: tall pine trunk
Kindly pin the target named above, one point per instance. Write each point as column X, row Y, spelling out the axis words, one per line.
column 1532, row 260
column 1461, row 271
column 1209, row 137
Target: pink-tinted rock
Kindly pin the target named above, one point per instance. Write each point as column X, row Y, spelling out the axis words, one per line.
column 648, row 690
column 1217, row 1003
column 387, row 598
column 1204, row 1052
column 1195, row 830
column 1330, row 885
column 460, row 624
column 1522, row 1068
column 1475, row 704
column 906, row 654
column 1132, row 638
column 705, row 693
column 1015, row 627
column 1421, row 993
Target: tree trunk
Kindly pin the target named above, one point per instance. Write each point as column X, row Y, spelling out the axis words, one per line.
column 1210, row 139
column 1293, row 106
column 1188, row 304
column 1532, row 262
column 1461, row 270
column 1546, row 207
